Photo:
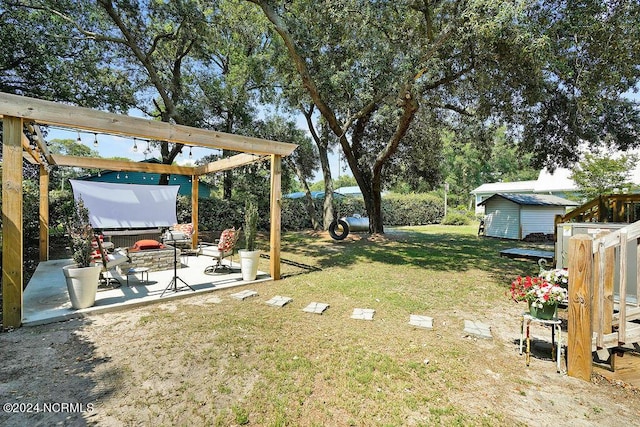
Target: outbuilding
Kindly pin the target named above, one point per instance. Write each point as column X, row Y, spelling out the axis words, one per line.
column 515, row 216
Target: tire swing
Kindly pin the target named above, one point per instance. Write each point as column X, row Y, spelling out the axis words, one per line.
column 338, row 229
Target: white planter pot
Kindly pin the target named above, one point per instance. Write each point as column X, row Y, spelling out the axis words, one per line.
column 249, row 264
column 82, row 285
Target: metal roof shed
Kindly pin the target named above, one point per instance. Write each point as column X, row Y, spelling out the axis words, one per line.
column 515, row 216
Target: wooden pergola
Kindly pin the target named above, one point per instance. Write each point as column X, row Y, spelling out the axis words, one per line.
column 18, row 112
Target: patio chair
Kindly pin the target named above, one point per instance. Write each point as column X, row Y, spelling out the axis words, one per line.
column 225, row 248
column 109, row 262
column 179, row 235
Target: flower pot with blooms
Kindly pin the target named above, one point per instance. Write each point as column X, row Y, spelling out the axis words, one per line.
column 541, row 295
column 556, row 276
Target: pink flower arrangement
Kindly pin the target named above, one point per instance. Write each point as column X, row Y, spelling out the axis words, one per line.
column 537, row 291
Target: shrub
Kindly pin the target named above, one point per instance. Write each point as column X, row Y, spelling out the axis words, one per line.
column 456, row 218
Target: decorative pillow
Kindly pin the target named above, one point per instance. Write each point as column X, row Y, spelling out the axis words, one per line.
column 141, row 245
column 184, row 228
column 227, row 240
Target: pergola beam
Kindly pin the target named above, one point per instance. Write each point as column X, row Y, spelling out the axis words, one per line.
column 42, row 145
column 28, row 154
column 120, row 165
column 229, row 163
column 53, row 113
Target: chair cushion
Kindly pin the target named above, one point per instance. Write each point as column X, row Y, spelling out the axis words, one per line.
column 227, row 240
column 183, row 228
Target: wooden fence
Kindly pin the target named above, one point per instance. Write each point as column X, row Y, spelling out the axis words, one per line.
column 601, row 312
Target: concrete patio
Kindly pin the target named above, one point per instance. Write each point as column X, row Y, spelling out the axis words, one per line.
column 46, row 299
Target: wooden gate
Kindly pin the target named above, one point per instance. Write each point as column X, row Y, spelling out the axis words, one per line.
column 602, row 311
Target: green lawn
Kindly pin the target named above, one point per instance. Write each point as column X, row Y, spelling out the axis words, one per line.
column 245, row 362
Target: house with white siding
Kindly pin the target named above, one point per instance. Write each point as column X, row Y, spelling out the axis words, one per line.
column 515, row 216
column 556, row 183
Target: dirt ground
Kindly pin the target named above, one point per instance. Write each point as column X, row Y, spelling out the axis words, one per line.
column 97, row 370
column 81, row 362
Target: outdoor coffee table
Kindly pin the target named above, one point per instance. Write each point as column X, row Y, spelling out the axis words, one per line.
column 142, row 271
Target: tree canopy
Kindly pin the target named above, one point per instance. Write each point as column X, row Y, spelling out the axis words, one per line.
column 415, row 93
column 602, row 173
column 371, row 67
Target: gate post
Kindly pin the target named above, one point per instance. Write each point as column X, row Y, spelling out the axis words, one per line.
column 580, row 329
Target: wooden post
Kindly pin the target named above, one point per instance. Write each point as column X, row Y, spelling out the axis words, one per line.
column 12, row 230
column 44, row 214
column 580, row 333
column 194, row 210
column 276, row 206
column 607, row 307
column 622, row 310
column 601, row 209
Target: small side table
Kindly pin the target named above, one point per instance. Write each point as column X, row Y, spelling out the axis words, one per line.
column 556, row 328
column 142, row 271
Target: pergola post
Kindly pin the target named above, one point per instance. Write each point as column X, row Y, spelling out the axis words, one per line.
column 12, row 230
column 44, row 214
column 194, row 210
column 276, row 207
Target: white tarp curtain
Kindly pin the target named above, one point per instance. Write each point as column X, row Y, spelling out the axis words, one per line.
column 127, row 205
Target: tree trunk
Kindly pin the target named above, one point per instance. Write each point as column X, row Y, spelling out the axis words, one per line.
column 328, row 213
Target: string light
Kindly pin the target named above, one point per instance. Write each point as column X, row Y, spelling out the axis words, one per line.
column 79, row 140
column 118, row 176
column 135, row 146
column 126, row 176
column 190, row 153
column 95, row 139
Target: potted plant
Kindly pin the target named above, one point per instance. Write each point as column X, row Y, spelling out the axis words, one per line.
column 557, row 276
column 249, row 257
column 542, row 296
column 82, row 277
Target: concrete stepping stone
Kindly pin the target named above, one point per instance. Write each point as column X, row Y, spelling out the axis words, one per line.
column 478, row 329
column 279, row 301
column 421, row 321
column 316, row 307
column 244, row 295
column 363, row 313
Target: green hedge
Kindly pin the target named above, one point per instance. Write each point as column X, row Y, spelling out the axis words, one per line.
column 397, row 210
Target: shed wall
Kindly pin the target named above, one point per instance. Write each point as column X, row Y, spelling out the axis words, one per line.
column 539, row 219
column 502, row 219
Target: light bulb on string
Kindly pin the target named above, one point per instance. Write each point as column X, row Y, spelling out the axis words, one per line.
column 135, row 146
column 95, row 139
column 190, row 153
column 126, row 176
column 118, row 176
column 79, row 140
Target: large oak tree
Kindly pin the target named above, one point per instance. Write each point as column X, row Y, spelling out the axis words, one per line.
column 553, row 71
